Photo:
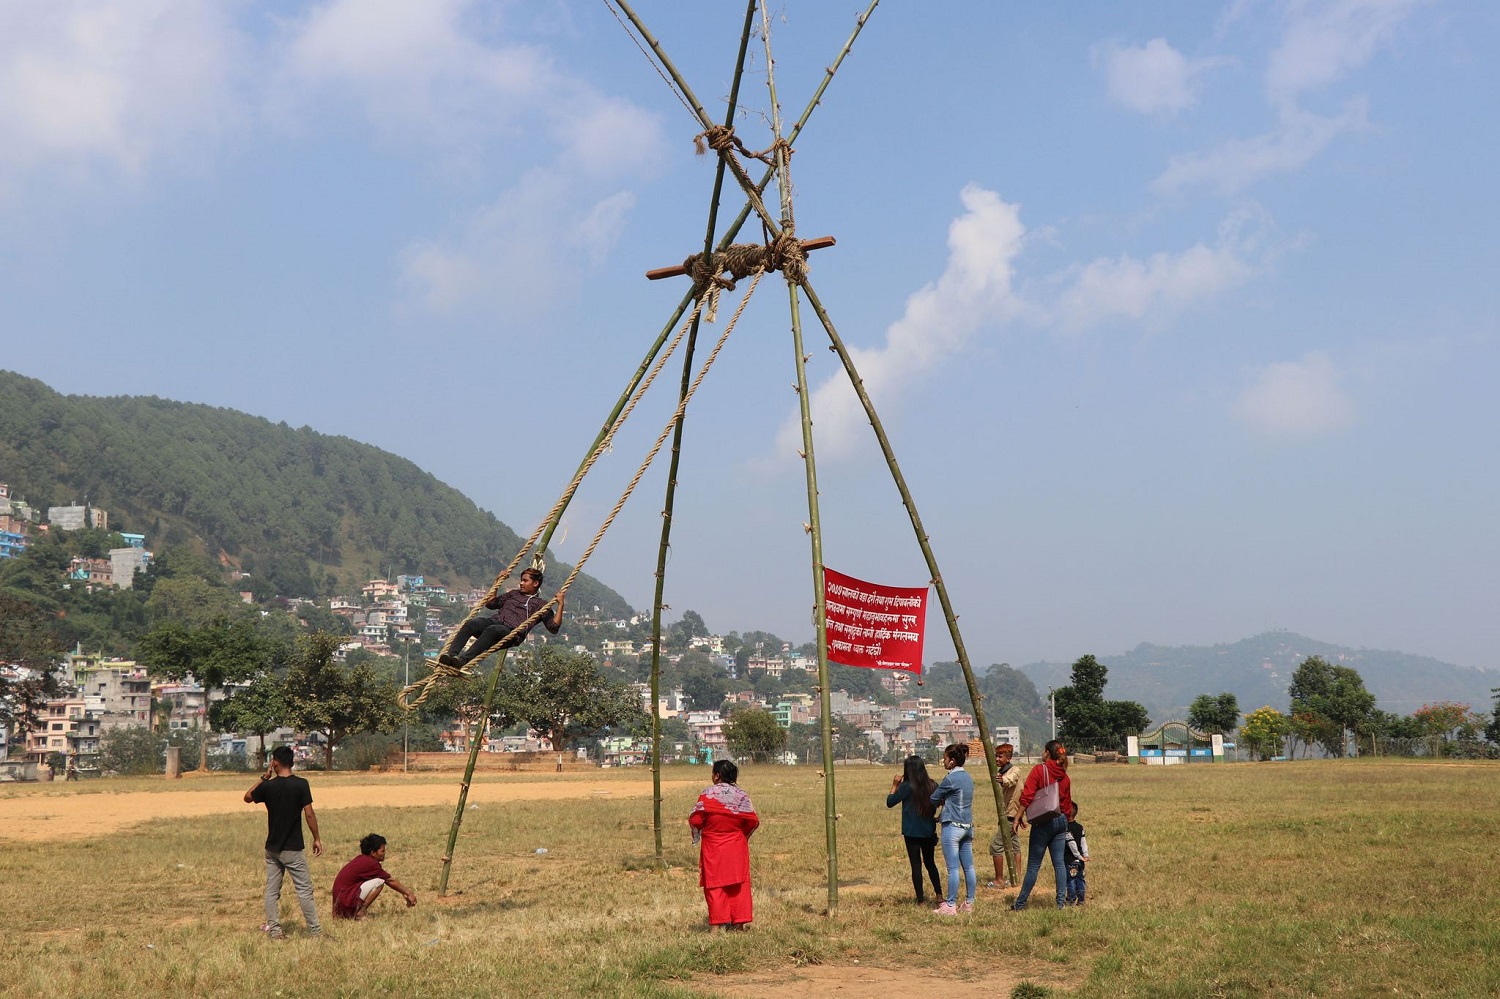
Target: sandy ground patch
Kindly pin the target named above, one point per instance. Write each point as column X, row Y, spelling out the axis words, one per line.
column 59, row 812
column 855, row 982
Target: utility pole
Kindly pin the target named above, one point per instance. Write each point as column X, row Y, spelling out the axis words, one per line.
column 406, row 726
column 1052, row 710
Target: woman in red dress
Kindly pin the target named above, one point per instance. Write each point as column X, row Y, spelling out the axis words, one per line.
column 722, row 822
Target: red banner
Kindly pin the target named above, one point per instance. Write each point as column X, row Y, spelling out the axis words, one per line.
column 874, row 626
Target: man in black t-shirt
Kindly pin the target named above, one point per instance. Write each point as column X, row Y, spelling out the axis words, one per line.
column 288, row 801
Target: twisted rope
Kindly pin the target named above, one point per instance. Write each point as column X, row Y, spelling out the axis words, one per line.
column 439, row 673
column 428, row 684
column 739, row 260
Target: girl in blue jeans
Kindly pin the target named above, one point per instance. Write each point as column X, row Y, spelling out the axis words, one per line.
column 1049, row 834
column 956, row 797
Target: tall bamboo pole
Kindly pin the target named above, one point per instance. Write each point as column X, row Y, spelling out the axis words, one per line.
column 916, row 523
column 752, row 192
column 475, row 738
column 751, row 189
column 669, row 501
column 815, row 526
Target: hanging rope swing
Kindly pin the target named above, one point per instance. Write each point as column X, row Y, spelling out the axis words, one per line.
column 416, row 693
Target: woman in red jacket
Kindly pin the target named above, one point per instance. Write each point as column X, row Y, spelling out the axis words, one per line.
column 722, row 822
column 1049, row 832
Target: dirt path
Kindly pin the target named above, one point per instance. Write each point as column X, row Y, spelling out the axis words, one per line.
column 60, row 812
column 854, row 982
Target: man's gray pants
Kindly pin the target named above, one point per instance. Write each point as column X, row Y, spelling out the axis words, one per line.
column 293, row 862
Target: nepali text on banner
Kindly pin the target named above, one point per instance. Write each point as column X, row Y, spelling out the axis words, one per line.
column 874, row 626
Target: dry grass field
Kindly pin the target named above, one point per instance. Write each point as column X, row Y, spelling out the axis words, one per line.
column 1320, row 878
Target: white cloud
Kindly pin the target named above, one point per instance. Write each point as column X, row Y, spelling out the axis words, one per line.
column 1322, row 41
column 1151, row 79
column 1325, row 40
column 1296, row 399
column 93, row 84
column 973, row 291
column 518, row 255
column 1235, row 165
column 415, row 68
column 441, row 73
column 1164, row 284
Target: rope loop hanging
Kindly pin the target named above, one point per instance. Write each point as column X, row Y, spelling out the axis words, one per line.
column 415, row 693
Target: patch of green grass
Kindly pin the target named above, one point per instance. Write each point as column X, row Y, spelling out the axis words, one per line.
column 1288, row 880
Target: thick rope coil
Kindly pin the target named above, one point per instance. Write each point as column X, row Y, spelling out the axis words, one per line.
column 739, row 260
column 788, row 256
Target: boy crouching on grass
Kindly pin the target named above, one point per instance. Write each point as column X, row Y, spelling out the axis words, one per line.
column 360, row 882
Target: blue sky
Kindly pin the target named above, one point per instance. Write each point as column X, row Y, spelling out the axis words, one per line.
column 1181, row 316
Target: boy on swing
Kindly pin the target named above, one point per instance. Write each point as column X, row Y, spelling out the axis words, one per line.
column 511, row 608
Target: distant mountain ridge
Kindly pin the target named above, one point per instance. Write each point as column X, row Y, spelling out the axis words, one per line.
column 1257, row 671
column 310, row 514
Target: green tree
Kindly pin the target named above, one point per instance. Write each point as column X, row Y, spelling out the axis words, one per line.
column 1264, row 731
column 193, row 602
column 28, row 640
column 257, row 709
column 1336, row 699
column 135, row 751
column 754, row 733
column 1085, row 718
column 562, row 694
column 215, row 654
column 1448, row 720
column 333, row 700
column 1492, row 731
column 685, row 629
column 1214, row 714
column 701, row 680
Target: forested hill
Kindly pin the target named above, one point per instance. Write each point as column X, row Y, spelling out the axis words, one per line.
column 304, row 513
column 1257, row 671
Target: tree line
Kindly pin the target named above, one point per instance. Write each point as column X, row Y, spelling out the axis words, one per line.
column 305, row 513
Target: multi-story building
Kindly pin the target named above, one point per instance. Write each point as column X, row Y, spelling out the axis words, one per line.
column 75, row 518
column 379, row 589
column 188, row 703
column 67, row 725
column 124, row 563
column 13, row 537
column 771, row 665
column 670, row 704
column 90, row 571
column 707, row 728
column 121, row 687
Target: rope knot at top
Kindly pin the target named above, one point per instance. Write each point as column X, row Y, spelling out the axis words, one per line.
column 721, row 139
column 787, row 256
column 715, row 137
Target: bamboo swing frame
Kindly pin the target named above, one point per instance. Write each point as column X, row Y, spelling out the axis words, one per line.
column 697, row 300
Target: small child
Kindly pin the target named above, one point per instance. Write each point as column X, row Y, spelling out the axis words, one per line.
column 361, row 880
column 1077, row 858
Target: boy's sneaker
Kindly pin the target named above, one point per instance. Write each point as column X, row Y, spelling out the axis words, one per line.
column 946, row 909
column 966, row 906
column 275, row 933
column 1018, row 907
column 446, row 660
